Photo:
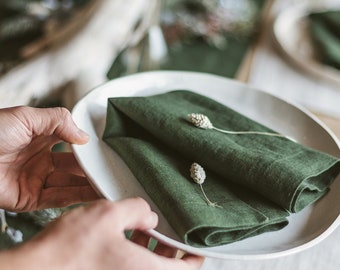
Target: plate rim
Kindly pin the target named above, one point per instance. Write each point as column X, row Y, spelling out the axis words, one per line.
column 203, row 251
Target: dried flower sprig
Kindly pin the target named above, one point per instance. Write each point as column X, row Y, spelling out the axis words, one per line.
column 4, row 224
column 15, row 235
column 202, row 121
column 197, row 174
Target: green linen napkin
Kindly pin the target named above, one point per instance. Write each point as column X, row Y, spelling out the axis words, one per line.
column 325, row 34
column 256, row 179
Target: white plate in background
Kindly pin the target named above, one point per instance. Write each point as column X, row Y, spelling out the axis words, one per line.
column 291, row 34
column 113, row 179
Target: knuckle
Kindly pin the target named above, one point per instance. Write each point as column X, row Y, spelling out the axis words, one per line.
column 63, row 113
column 142, row 203
column 107, row 209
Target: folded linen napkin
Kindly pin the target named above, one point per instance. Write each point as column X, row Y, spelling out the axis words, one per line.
column 256, row 179
column 325, row 34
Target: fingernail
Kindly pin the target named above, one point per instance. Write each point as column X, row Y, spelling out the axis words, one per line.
column 83, row 134
column 153, row 218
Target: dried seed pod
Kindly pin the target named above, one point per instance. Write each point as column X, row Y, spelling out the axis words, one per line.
column 197, row 173
column 200, row 120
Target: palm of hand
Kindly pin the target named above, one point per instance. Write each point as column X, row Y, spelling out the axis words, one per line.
column 32, row 177
column 25, row 176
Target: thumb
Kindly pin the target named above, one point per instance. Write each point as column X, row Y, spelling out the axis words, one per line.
column 54, row 121
column 67, row 130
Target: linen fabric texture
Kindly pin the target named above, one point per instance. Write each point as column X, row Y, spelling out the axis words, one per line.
column 257, row 180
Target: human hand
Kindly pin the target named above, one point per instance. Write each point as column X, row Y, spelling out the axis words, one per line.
column 31, row 176
column 92, row 237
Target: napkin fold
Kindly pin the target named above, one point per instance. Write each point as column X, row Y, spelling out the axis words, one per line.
column 257, row 180
column 325, row 34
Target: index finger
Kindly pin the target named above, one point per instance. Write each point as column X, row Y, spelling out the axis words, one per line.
column 135, row 213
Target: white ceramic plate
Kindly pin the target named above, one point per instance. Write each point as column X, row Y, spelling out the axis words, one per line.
column 114, row 180
column 290, row 31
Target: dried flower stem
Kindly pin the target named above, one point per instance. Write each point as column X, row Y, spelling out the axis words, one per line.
column 214, row 204
column 250, row 132
column 15, row 235
column 197, row 173
column 4, row 224
column 202, row 121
